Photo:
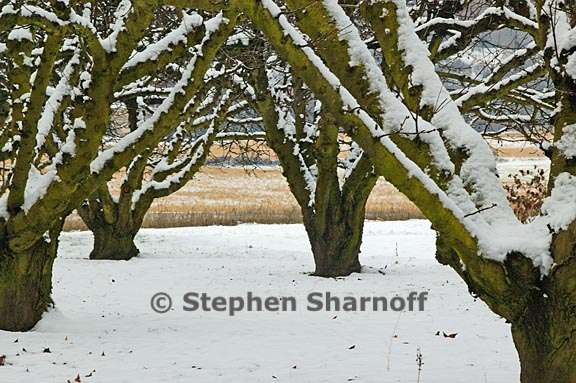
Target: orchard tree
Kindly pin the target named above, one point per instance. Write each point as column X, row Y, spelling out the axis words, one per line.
column 330, row 184
column 63, row 71
column 501, row 95
column 115, row 217
column 327, row 173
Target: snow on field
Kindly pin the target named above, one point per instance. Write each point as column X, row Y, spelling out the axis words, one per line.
column 105, row 331
column 510, row 166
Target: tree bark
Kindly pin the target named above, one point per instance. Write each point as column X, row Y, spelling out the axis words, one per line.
column 336, row 247
column 543, row 332
column 335, row 258
column 26, row 285
column 544, row 338
column 113, row 243
column 114, row 225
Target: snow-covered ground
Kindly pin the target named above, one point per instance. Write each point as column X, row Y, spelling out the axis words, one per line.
column 508, row 167
column 104, row 329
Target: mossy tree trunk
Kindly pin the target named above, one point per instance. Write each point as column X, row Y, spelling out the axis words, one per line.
column 114, row 243
column 113, row 222
column 113, row 227
column 543, row 320
column 26, row 282
column 336, row 223
column 545, row 341
column 336, row 246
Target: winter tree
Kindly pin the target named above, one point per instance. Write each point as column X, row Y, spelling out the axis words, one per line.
column 115, row 217
column 308, row 144
column 328, row 175
column 64, row 71
column 491, row 92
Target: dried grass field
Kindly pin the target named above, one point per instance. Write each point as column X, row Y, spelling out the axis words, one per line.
column 228, row 196
column 231, row 195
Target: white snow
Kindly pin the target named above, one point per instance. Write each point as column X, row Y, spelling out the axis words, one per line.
column 567, row 142
column 121, row 15
column 166, row 44
column 104, row 322
column 54, row 101
column 561, row 204
column 37, row 185
column 19, row 34
column 31, row 11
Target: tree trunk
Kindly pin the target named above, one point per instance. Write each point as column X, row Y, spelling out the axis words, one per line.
column 335, row 259
column 544, row 338
column 544, row 333
column 336, row 250
column 113, row 243
column 26, row 285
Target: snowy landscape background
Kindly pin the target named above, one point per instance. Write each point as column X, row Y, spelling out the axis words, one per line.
column 235, row 148
column 103, row 328
column 103, row 325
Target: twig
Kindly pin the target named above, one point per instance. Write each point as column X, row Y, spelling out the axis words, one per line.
column 481, row 210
